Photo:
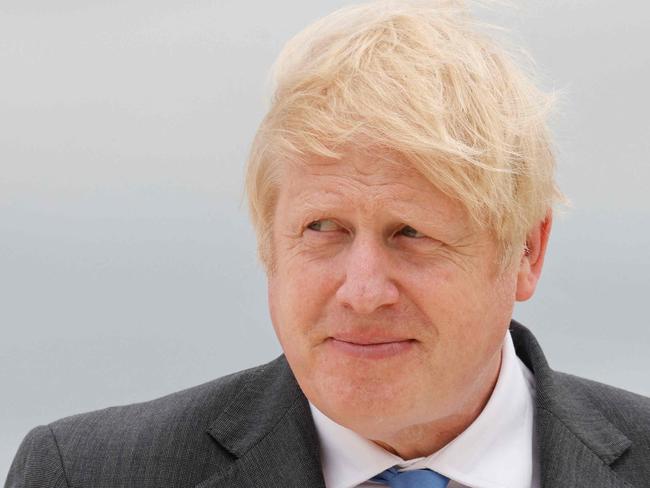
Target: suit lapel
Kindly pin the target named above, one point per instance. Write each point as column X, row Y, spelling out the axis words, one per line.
column 269, row 430
column 577, row 444
column 567, row 461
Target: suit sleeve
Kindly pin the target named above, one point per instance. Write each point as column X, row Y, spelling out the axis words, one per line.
column 37, row 463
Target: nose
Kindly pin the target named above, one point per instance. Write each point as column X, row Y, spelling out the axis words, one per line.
column 367, row 285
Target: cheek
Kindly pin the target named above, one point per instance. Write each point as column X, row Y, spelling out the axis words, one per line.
column 488, row 310
column 468, row 310
column 434, row 290
column 299, row 297
column 274, row 295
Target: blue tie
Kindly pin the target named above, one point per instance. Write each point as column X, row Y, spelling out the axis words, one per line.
column 419, row 478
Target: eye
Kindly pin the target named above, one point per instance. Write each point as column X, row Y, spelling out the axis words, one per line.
column 408, row 231
column 324, row 225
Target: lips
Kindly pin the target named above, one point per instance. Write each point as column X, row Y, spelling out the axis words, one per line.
column 369, row 339
column 370, row 347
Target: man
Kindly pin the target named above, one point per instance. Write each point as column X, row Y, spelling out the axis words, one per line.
column 401, row 186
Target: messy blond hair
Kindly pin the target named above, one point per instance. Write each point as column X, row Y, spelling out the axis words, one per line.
column 422, row 80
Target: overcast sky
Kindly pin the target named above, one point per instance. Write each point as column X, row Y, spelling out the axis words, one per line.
column 127, row 265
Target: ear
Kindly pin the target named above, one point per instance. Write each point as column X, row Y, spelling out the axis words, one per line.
column 532, row 258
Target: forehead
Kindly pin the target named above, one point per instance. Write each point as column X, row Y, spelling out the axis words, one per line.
column 372, row 182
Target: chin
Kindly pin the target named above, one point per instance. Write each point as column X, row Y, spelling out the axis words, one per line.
column 364, row 406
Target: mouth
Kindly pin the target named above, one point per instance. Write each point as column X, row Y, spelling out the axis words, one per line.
column 371, row 348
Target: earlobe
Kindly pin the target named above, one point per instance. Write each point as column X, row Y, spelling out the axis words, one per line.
column 532, row 258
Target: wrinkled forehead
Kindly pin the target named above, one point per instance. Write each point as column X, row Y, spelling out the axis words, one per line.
column 380, row 181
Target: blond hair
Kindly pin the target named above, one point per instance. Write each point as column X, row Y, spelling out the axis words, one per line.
column 422, row 80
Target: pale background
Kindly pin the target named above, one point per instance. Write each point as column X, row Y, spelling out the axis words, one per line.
column 127, row 266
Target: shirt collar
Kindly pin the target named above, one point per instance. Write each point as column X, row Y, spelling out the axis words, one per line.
column 495, row 451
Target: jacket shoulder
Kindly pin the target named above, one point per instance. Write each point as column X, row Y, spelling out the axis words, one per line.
column 37, row 462
column 620, row 406
column 161, row 442
column 203, row 402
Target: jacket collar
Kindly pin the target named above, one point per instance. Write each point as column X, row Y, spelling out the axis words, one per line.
column 269, row 430
column 577, row 444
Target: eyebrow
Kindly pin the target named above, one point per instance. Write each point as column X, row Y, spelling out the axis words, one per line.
column 336, row 201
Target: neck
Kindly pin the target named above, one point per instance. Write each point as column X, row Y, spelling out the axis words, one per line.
column 421, row 440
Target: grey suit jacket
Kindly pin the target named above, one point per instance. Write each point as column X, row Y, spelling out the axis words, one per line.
column 254, row 429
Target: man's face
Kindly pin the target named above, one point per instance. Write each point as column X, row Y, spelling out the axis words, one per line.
column 391, row 309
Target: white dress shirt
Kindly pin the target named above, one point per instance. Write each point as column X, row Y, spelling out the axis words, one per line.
column 496, row 451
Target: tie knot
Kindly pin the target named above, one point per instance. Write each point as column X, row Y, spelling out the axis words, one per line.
column 418, row 478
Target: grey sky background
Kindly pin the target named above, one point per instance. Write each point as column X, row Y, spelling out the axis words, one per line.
column 127, row 265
